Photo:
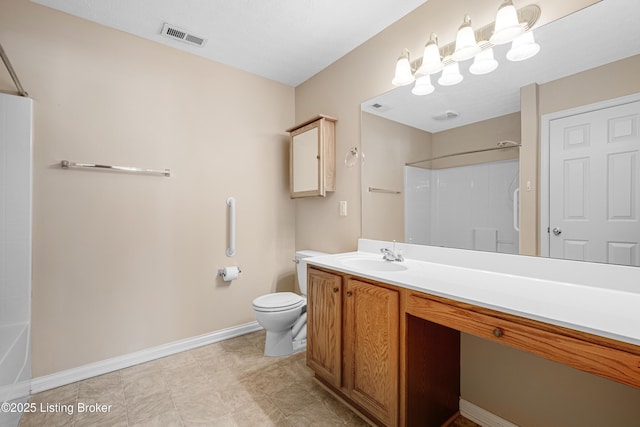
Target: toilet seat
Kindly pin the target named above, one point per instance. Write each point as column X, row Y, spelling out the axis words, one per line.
column 278, row 301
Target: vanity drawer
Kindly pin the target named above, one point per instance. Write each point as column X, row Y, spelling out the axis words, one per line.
column 580, row 350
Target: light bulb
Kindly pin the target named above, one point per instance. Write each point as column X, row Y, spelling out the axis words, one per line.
column 423, row 86
column 507, row 26
column 451, row 74
column 523, row 47
column 466, row 46
column 431, row 61
column 484, row 62
column 403, row 75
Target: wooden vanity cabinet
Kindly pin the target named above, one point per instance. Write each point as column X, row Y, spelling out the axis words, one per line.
column 358, row 329
column 353, row 341
column 312, row 157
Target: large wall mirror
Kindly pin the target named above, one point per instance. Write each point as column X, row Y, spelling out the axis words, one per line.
column 444, row 169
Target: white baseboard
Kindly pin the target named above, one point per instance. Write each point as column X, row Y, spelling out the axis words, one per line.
column 80, row 373
column 481, row 416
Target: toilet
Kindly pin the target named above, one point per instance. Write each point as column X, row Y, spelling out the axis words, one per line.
column 284, row 314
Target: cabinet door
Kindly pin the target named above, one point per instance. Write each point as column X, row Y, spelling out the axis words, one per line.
column 306, row 162
column 324, row 325
column 372, row 348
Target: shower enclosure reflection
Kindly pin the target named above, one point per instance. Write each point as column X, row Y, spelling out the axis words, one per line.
column 465, row 207
column 463, row 201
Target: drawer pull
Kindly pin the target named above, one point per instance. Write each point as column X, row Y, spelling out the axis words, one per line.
column 335, row 289
column 497, row 332
column 349, row 293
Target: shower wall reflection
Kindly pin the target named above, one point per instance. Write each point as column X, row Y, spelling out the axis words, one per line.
column 462, row 201
column 465, row 207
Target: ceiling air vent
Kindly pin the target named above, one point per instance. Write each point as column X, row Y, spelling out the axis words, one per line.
column 379, row 107
column 447, row 115
column 176, row 33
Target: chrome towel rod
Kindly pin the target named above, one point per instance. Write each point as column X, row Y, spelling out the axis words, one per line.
column 382, row 190
column 500, row 146
column 66, row 164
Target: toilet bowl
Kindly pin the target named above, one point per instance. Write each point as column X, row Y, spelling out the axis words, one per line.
column 284, row 314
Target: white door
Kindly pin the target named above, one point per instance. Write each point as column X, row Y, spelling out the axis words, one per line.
column 594, row 191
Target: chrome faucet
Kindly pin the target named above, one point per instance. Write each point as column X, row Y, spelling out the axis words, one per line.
column 391, row 255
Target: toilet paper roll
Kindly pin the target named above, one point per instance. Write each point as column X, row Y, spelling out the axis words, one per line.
column 230, row 273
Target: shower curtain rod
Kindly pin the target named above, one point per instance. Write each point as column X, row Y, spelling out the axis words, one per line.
column 501, row 145
column 12, row 73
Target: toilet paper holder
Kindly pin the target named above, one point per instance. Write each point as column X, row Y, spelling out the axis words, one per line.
column 221, row 272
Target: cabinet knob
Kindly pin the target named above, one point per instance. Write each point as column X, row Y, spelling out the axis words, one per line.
column 335, row 289
column 497, row 332
column 349, row 293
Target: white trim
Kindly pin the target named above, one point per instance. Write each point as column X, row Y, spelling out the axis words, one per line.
column 80, row 373
column 545, row 125
column 481, row 416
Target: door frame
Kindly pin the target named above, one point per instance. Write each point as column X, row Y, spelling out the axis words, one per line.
column 545, row 140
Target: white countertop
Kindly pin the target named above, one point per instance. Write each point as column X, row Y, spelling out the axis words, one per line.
column 600, row 299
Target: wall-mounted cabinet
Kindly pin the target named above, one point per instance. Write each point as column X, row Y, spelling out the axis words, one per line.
column 312, row 157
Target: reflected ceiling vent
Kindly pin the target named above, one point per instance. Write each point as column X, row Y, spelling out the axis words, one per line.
column 176, row 33
column 379, row 107
column 447, row 115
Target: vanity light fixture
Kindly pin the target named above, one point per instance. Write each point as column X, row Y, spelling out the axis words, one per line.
column 511, row 25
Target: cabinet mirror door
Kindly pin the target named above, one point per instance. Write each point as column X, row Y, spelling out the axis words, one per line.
column 305, row 162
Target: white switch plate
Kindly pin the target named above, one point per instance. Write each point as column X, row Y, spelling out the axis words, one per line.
column 343, row 208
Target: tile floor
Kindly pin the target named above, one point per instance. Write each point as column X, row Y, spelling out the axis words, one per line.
column 229, row 383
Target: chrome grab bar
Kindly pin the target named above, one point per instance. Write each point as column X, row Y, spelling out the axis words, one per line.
column 65, row 164
column 231, row 250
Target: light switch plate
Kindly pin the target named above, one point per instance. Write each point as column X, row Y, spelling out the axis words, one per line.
column 343, row 208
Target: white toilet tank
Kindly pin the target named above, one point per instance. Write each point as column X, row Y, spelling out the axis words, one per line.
column 301, row 267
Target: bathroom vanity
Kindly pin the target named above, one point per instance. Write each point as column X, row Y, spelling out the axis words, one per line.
column 385, row 336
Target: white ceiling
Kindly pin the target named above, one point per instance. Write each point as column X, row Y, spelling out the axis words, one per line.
column 602, row 33
column 284, row 40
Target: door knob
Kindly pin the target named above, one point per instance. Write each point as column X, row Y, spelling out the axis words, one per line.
column 557, row 231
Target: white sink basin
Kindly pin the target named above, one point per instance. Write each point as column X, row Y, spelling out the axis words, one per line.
column 373, row 264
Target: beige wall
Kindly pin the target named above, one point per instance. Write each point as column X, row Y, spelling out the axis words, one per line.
column 389, row 145
column 522, row 388
column 477, row 136
column 126, row 262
